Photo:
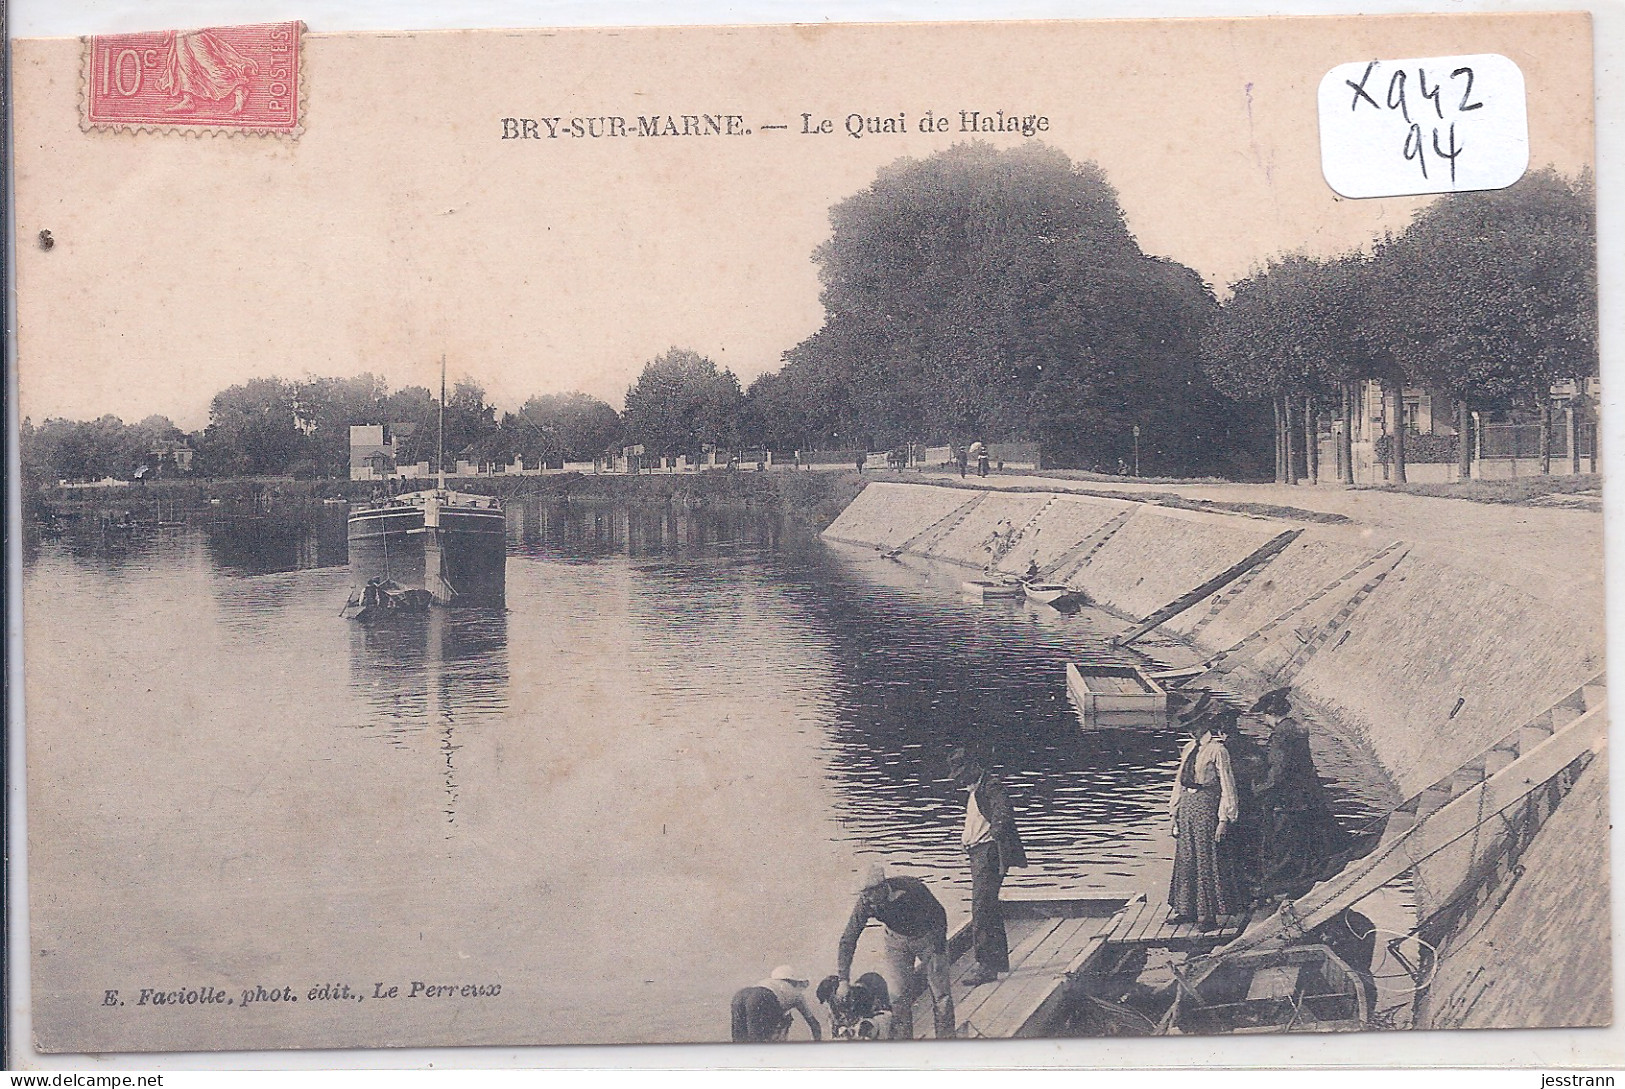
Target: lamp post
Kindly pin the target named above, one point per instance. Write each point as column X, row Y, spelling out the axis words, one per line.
column 1136, row 449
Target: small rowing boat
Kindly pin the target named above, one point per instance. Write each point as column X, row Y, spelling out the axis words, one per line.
column 382, row 597
column 992, row 589
column 1303, row 988
column 1057, row 595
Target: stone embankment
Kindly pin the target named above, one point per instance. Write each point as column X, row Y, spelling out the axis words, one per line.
column 1426, row 646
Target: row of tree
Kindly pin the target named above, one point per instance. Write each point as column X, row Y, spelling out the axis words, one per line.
column 275, row 427
column 1486, row 298
column 1000, row 295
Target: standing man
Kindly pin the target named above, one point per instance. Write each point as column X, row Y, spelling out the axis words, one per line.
column 993, row 846
column 916, row 944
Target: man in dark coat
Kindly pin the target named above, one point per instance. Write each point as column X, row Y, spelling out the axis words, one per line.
column 916, row 928
column 992, row 845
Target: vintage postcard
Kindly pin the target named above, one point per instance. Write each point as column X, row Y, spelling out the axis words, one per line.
column 830, row 533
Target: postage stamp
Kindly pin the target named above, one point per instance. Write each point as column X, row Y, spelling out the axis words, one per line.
column 221, row 79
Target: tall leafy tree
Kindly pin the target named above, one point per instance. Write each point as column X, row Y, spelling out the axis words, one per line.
column 564, row 427
column 252, row 430
column 470, row 425
column 1000, row 294
column 1491, row 296
column 682, row 402
column 1295, row 333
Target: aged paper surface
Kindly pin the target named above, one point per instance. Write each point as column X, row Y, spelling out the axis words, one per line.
column 665, row 762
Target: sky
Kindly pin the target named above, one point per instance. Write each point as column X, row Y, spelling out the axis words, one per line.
column 400, row 226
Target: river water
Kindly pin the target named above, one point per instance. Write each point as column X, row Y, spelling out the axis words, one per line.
column 650, row 779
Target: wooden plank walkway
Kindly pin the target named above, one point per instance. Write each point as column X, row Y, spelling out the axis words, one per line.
column 1051, row 938
column 1151, row 927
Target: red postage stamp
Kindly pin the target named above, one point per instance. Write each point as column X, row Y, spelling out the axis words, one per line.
column 222, row 79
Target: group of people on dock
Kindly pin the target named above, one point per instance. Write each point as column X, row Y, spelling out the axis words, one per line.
column 1250, row 830
column 880, row 1005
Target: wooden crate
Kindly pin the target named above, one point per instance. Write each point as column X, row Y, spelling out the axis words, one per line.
column 1115, row 695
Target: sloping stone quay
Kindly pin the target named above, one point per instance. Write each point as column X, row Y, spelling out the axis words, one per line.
column 1426, row 629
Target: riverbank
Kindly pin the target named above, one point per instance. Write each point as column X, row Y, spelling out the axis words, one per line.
column 1427, row 627
column 813, row 498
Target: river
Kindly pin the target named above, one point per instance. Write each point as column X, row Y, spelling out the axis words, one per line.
column 650, row 779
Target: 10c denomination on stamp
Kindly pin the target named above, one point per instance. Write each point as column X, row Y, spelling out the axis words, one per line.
column 220, row 79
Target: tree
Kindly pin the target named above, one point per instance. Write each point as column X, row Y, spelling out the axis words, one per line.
column 682, row 402
column 1298, row 330
column 1493, row 295
column 328, row 407
column 251, row 430
column 470, row 424
column 80, row 451
column 564, row 427
column 998, row 294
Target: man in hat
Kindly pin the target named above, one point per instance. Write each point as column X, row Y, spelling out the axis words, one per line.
column 992, row 846
column 1301, row 837
column 916, row 944
column 761, row 1014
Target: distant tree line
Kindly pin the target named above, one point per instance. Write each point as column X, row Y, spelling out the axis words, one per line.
column 1487, row 298
column 277, row 427
column 1000, row 295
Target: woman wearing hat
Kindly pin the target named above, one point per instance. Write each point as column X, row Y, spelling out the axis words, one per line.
column 1203, row 807
column 1301, row 836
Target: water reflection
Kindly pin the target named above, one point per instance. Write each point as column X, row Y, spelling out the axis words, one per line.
column 431, row 673
column 886, row 661
column 291, row 538
column 922, row 670
column 678, row 707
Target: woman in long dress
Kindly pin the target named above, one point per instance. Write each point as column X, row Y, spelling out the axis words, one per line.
column 1203, row 807
column 1302, row 841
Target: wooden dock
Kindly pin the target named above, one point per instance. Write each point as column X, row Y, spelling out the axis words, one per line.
column 1052, row 938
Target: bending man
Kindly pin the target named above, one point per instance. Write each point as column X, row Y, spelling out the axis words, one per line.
column 916, row 944
column 761, row 1014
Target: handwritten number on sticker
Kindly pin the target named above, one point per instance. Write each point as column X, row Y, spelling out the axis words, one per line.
column 1468, row 92
column 1443, row 154
column 1360, row 91
column 1423, row 125
column 1396, row 94
column 1414, row 148
column 1431, row 96
column 1418, row 139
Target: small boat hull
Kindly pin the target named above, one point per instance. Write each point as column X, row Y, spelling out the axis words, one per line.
column 990, row 590
column 1304, row 988
column 1115, row 696
column 1054, row 594
column 381, row 598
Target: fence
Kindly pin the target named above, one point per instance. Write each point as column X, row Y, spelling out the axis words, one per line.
column 1523, row 440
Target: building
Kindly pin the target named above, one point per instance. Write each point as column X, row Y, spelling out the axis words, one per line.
column 170, row 456
column 372, row 452
column 1504, row 444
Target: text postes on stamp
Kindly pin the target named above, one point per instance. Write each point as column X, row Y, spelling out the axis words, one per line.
column 224, row 79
